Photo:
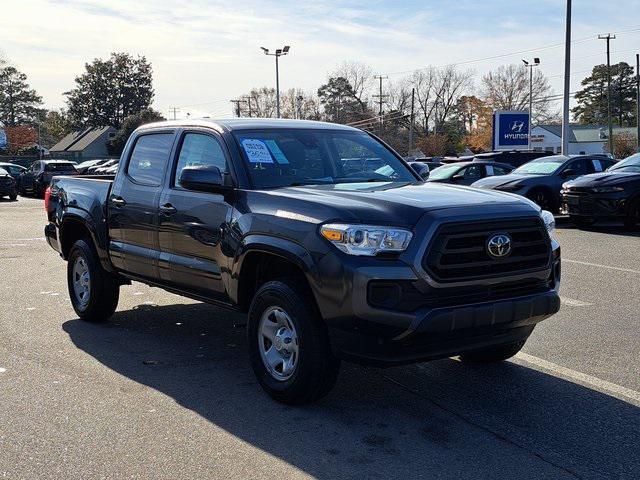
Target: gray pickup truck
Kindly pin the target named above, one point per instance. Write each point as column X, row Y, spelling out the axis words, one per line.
column 327, row 239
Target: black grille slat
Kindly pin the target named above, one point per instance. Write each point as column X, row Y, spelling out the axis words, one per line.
column 458, row 251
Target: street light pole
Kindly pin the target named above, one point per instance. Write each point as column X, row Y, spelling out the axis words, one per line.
column 278, row 53
column 536, row 62
column 608, row 38
column 567, row 79
column 638, row 101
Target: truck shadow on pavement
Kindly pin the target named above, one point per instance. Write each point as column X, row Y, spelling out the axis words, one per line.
column 437, row 420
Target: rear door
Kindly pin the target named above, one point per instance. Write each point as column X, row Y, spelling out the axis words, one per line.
column 470, row 174
column 192, row 222
column 133, row 205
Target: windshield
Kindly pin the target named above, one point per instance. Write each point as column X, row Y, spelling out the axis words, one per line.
column 541, row 166
column 629, row 164
column 292, row 157
column 60, row 167
column 441, row 173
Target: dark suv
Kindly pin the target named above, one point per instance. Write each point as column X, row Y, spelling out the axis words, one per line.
column 331, row 243
column 37, row 178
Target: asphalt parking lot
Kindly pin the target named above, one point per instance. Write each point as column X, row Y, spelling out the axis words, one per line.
column 165, row 389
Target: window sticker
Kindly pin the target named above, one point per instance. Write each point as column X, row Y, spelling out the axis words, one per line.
column 596, row 165
column 276, row 152
column 257, row 151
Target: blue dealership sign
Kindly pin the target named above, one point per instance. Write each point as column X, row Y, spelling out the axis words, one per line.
column 510, row 130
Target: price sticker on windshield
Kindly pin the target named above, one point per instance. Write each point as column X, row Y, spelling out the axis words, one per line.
column 257, row 151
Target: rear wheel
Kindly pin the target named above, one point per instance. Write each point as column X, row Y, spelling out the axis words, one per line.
column 633, row 215
column 494, row 354
column 94, row 292
column 289, row 344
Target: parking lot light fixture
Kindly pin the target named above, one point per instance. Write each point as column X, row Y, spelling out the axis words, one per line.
column 278, row 53
column 536, row 62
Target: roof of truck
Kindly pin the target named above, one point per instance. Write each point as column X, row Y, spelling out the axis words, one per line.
column 243, row 123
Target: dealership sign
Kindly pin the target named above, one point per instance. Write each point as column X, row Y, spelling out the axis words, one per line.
column 510, row 130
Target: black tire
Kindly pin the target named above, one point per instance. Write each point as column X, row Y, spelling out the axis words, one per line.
column 13, row 197
column 495, row 354
column 582, row 222
column 543, row 199
column 316, row 370
column 104, row 290
column 632, row 221
column 22, row 191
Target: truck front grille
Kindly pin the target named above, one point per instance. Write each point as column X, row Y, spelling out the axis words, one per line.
column 458, row 251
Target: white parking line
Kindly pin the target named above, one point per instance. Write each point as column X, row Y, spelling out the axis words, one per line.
column 617, row 391
column 572, row 302
column 620, row 269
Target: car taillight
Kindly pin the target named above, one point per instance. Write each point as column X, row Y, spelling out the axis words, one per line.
column 47, row 196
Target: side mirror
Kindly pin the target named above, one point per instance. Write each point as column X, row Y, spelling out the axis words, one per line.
column 202, row 179
column 421, row 169
column 569, row 172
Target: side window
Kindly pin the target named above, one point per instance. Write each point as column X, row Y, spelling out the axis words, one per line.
column 473, row 171
column 500, row 170
column 489, row 170
column 149, row 158
column 200, row 150
column 580, row 167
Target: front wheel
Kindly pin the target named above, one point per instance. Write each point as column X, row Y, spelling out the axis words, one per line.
column 632, row 221
column 94, row 292
column 289, row 345
column 494, row 354
column 543, row 199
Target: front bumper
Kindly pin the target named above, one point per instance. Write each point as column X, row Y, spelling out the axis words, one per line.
column 594, row 205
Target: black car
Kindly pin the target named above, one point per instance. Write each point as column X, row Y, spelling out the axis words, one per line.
column 102, row 168
column 515, row 158
column 610, row 195
column 36, row 179
column 465, row 173
column 86, row 165
column 8, row 186
column 541, row 180
column 13, row 169
column 270, row 218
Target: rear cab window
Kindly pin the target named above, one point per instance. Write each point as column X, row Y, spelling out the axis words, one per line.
column 149, row 158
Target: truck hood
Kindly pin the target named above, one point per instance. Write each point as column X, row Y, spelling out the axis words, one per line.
column 604, row 179
column 502, row 180
column 387, row 203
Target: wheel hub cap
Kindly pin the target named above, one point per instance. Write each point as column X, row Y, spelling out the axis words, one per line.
column 278, row 343
column 81, row 281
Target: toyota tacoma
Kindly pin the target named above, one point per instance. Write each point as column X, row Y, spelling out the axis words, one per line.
column 328, row 240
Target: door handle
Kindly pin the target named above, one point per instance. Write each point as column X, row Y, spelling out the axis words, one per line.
column 168, row 209
column 118, row 201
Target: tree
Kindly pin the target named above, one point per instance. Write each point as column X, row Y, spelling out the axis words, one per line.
column 340, row 102
column 111, row 90
column 475, row 115
column 360, row 77
column 624, row 144
column 298, row 104
column 19, row 104
column 592, row 98
column 507, row 88
column 53, row 127
column 117, row 143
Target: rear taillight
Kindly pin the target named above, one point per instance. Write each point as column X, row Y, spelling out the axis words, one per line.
column 47, row 196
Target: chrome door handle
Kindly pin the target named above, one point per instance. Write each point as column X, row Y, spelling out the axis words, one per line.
column 118, row 201
column 168, row 209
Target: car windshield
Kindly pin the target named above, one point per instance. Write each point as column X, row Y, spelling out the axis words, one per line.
column 629, row 164
column 541, row 166
column 294, row 157
column 60, row 167
column 443, row 172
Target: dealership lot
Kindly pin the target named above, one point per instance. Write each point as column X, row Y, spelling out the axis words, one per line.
column 165, row 389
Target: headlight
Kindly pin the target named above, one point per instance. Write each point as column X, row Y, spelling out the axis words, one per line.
column 549, row 221
column 366, row 239
column 607, row 189
column 509, row 187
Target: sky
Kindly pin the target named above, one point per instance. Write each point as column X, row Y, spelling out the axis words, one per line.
column 206, row 52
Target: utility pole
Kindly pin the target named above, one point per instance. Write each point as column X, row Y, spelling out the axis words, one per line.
column 299, row 99
column 413, row 99
column 175, row 111
column 380, row 98
column 279, row 52
column 237, row 102
column 608, row 38
column 536, row 62
column 249, row 105
column 638, row 101
column 567, row 79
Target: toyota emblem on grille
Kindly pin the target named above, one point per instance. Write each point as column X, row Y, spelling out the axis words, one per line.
column 499, row 246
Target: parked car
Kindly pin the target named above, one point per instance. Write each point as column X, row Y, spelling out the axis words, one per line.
column 84, row 166
column 465, row 173
column 541, row 180
column 36, row 179
column 8, row 186
column 515, row 158
column 13, row 169
column 610, row 195
column 260, row 216
column 100, row 169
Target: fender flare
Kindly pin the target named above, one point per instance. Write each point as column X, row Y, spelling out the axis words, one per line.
column 84, row 218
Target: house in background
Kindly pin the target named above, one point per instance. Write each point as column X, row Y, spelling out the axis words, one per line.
column 84, row 144
column 583, row 139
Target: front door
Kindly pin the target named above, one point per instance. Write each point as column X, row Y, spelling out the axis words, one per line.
column 192, row 222
column 133, row 206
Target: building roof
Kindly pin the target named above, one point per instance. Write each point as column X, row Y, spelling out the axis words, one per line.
column 79, row 140
column 68, row 140
column 243, row 123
